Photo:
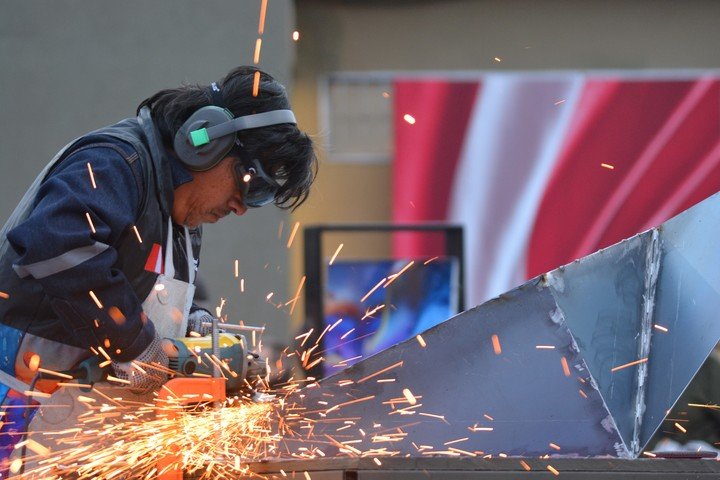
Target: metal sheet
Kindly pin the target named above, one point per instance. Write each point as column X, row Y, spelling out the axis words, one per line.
column 522, row 395
column 600, row 296
column 687, row 305
column 557, row 371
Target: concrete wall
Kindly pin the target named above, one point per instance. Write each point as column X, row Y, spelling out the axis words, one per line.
column 70, row 66
column 412, row 35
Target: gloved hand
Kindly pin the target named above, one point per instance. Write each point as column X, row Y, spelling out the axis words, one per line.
column 195, row 322
column 149, row 378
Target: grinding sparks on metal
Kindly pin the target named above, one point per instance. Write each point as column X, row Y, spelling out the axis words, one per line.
column 553, row 470
column 335, row 254
column 95, row 299
column 545, row 347
column 680, row 427
column 263, row 12
column 395, row 276
column 409, row 119
column 660, row 327
column 636, row 362
column 565, row 366
column 409, row 396
column 256, row 84
column 92, row 226
column 216, row 443
column 524, row 464
column 137, row 234
column 497, row 59
column 256, row 56
column 296, row 36
column 373, row 289
column 292, row 234
column 608, row 166
column 294, row 300
column 92, row 176
column 4, row 295
column 421, row 340
column 714, row 407
column 496, row 345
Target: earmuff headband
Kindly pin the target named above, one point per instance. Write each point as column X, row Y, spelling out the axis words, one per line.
column 204, row 135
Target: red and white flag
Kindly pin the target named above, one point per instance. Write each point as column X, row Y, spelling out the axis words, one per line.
column 541, row 169
column 154, row 261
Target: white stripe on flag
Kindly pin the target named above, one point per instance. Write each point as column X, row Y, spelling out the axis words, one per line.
column 503, row 171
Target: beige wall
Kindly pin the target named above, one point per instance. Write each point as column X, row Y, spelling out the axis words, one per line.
column 407, row 35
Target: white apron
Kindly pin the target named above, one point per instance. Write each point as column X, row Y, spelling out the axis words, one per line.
column 169, row 302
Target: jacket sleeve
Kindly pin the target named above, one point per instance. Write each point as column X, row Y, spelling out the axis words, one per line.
column 67, row 246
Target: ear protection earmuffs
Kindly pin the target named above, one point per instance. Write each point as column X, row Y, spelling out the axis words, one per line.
column 209, row 134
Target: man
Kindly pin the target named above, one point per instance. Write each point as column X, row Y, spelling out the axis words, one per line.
column 100, row 256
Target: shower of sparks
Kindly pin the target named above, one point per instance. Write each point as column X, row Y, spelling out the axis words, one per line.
column 409, row 119
column 496, row 345
column 554, row 446
column 650, row 454
column 230, row 436
column 335, row 254
column 524, row 464
column 92, row 226
column 92, row 176
column 636, row 362
column 680, row 427
column 608, row 166
column 95, row 299
column 242, row 285
column 565, row 366
column 553, row 470
column 421, row 340
column 292, row 234
column 256, row 56
column 237, row 268
column 296, row 36
column 430, row 260
column 263, row 12
column 137, row 233
column 256, row 89
column 395, row 276
column 545, row 347
column 661, row 328
column 372, row 290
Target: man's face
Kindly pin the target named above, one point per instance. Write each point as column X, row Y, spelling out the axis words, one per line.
column 210, row 196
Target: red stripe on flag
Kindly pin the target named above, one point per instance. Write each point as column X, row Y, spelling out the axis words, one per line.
column 653, row 133
column 426, row 153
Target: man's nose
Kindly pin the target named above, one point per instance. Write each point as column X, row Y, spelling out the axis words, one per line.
column 237, row 206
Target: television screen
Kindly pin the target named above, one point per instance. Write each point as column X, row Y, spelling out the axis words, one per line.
column 372, row 305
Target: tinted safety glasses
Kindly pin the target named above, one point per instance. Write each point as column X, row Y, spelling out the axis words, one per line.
column 257, row 187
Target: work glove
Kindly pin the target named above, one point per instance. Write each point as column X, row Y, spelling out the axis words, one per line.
column 149, row 372
column 195, row 322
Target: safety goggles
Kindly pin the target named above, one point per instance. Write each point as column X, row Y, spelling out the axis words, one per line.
column 257, row 187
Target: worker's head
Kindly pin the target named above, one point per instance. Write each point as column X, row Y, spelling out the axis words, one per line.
column 250, row 167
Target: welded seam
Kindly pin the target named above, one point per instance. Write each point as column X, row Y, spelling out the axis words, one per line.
column 652, row 270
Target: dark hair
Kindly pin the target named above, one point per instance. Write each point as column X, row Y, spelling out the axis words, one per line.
column 282, row 149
